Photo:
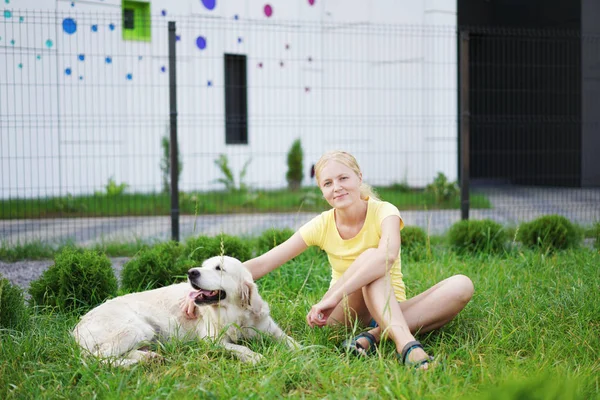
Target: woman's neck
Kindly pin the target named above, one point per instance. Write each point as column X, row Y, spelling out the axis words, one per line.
column 355, row 214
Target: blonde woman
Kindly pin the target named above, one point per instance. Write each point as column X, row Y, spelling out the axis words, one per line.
column 361, row 236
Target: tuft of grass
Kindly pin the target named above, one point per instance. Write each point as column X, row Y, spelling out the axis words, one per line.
column 531, row 331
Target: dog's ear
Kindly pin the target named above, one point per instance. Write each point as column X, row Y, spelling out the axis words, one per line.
column 251, row 300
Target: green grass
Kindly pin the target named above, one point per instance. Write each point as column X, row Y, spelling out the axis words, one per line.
column 531, row 331
column 260, row 201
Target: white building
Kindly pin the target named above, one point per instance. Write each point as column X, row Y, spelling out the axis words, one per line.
column 85, row 98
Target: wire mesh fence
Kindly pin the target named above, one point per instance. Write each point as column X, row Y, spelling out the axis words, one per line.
column 85, row 121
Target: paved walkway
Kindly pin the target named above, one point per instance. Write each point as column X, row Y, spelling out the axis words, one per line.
column 510, row 206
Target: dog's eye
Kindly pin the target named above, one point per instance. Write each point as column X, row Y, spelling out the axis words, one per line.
column 218, row 268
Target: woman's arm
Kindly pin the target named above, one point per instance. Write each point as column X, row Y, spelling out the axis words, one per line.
column 369, row 266
column 277, row 256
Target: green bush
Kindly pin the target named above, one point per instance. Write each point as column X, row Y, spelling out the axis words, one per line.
column 472, row 236
column 154, row 267
column 271, row 238
column 13, row 311
column 549, row 232
column 200, row 248
column 442, row 190
column 295, row 172
column 596, row 234
column 78, row 279
column 414, row 242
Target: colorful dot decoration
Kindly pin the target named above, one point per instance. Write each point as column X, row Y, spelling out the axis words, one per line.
column 68, row 71
column 311, row 2
column 69, row 26
column 163, row 69
column 201, row 42
column 94, row 28
column 81, row 57
column 49, row 43
column 111, row 27
column 209, row 4
column 129, row 76
column 268, row 10
column 7, row 14
column 108, row 60
column 163, row 13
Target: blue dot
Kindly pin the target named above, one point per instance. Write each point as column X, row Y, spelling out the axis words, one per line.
column 94, row 28
column 72, row 4
column 163, row 13
column 111, row 27
column 108, row 60
column 49, row 43
column 209, row 4
column 69, row 26
column 139, row 58
column 201, row 42
column 177, row 38
column 240, row 40
column 81, row 57
column 80, row 77
column 236, row 17
column 209, row 83
column 7, row 14
column 163, row 69
column 129, row 77
column 68, row 71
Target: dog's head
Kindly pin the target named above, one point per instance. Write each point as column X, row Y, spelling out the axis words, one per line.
column 224, row 280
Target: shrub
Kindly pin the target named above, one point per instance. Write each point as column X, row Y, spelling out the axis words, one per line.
column 596, row 234
column 294, row 173
column 78, row 279
column 474, row 236
column 13, row 311
column 549, row 232
column 228, row 179
column 200, row 248
column 271, row 238
column 414, row 242
column 442, row 190
column 153, row 267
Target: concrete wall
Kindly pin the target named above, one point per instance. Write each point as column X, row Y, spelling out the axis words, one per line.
column 377, row 78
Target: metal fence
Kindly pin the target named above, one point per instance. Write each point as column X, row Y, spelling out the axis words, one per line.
column 86, row 115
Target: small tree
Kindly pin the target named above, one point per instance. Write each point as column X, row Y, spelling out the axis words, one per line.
column 165, row 163
column 294, row 173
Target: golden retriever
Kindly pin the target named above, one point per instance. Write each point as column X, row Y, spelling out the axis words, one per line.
column 229, row 308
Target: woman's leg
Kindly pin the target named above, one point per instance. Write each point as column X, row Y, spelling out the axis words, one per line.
column 429, row 310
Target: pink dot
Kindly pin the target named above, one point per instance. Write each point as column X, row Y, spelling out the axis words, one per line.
column 260, row 65
column 311, row 2
column 268, row 10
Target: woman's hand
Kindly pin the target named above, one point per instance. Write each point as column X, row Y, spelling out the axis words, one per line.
column 187, row 305
column 320, row 312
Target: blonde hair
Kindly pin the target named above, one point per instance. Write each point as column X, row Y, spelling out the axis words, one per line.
column 347, row 159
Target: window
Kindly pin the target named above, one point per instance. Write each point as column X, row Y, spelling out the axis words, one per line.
column 236, row 104
column 136, row 21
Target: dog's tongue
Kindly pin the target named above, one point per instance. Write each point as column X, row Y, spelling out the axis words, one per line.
column 194, row 293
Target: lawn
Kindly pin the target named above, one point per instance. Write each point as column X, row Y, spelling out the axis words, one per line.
column 258, row 201
column 531, row 331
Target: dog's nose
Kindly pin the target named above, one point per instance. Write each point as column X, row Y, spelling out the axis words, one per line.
column 193, row 273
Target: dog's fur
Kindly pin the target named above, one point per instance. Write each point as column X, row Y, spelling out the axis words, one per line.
column 228, row 305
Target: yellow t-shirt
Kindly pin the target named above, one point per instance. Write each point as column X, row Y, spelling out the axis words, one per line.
column 321, row 231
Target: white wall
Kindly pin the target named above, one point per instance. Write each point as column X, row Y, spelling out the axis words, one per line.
column 377, row 78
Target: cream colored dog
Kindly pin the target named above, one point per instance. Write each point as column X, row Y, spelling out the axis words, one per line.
column 229, row 308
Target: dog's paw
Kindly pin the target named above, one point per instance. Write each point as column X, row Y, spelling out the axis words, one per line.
column 292, row 344
column 251, row 358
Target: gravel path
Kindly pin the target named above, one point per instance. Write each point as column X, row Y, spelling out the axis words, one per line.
column 21, row 273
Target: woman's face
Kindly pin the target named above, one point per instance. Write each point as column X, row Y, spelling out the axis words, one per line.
column 339, row 184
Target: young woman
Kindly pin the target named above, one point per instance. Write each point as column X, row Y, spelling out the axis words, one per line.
column 361, row 236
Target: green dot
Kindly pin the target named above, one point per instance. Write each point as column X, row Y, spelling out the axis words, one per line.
column 20, row 65
column 39, row 57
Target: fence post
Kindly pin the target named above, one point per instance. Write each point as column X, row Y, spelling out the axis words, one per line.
column 465, row 115
column 173, row 134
